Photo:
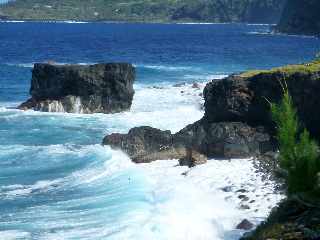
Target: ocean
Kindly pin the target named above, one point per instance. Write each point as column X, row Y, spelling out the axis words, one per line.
column 58, row 182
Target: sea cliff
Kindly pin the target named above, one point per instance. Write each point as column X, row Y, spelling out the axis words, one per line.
column 300, row 17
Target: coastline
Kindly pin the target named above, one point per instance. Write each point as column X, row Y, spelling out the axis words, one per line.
column 133, row 22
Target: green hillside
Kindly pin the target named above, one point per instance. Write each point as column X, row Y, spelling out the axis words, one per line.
column 301, row 17
column 257, row 11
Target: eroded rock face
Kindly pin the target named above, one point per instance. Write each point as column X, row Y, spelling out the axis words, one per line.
column 237, row 121
column 146, row 144
column 193, row 144
column 244, row 99
column 99, row 88
column 245, row 225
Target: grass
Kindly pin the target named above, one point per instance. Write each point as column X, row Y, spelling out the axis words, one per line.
column 288, row 69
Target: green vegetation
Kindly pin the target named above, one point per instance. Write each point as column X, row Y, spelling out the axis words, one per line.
column 298, row 152
column 258, row 11
column 300, row 17
column 289, row 69
column 297, row 217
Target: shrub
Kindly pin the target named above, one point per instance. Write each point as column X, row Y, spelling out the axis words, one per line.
column 298, row 152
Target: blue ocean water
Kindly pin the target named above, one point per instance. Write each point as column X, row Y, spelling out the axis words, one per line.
column 56, row 180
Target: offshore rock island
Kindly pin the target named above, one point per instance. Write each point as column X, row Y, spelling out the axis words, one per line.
column 99, row 88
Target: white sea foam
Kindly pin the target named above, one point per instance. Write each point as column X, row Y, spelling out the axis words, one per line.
column 182, row 203
column 166, row 67
column 31, row 65
column 195, row 206
column 12, row 21
column 202, row 23
column 14, row 235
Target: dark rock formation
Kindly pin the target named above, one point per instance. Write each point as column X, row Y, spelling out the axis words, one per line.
column 300, row 17
column 224, row 139
column 145, row 144
column 99, row 88
column 202, row 139
column 237, row 121
column 245, row 99
column 192, row 158
column 245, row 225
column 293, row 219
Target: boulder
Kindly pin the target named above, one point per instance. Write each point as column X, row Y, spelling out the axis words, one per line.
column 98, row 88
column 192, row 158
column 245, row 225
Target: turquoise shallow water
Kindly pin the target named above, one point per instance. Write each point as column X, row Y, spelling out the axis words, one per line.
column 56, row 180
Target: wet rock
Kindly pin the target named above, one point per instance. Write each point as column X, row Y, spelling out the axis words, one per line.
column 227, row 189
column 192, row 158
column 242, row 191
column 244, row 207
column 179, row 84
column 216, row 140
column 99, row 88
column 196, row 85
column 245, row 225
column 240, row 98
column 243, row 198
column 146, row 144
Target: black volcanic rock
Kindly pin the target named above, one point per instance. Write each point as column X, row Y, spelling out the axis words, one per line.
column 193, row 144
column 99, row 88
column 245, row 99
column 225, row 139
column 144, row 144
column 245, row 225
column 237, row 121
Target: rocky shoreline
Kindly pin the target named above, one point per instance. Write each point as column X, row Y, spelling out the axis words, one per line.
column 236, row 123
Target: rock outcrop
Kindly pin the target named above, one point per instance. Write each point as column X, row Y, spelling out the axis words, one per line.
column 292, row 219
column 244, row 98
column 99, row 88
column 300, row 17
column 237, row 121
column 145, row 144
column 193, row 144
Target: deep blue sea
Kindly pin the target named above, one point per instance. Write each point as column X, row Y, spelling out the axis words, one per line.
column 58, row 182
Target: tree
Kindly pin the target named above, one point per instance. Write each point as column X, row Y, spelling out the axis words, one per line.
column 298, row 152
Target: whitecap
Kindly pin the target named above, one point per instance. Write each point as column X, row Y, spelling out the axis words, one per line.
column 14, row 235
column 166, row 67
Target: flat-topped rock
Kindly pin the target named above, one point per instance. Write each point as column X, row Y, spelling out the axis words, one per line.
column 98, row 88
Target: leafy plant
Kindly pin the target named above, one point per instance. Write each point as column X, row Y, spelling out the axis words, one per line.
column 298, row 152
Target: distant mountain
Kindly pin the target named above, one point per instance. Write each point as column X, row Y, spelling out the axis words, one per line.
column 252, row 11
column 300, row 17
